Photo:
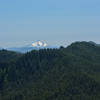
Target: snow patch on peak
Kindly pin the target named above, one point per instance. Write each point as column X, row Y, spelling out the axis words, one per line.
column 39, row 44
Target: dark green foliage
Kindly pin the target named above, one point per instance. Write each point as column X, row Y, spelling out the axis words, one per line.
column 71, row 73
column 6, row 56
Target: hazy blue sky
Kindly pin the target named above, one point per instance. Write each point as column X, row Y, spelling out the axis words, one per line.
column 58, row 22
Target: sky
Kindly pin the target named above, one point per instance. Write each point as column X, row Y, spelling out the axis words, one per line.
column 57, row 22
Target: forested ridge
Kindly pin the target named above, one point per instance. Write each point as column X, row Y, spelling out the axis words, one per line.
column 71, row 73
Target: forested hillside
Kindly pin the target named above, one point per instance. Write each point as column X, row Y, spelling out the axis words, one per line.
column 71, row 73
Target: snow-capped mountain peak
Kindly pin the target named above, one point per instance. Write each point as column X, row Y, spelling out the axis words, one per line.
column 32, row 46
column 39, row 44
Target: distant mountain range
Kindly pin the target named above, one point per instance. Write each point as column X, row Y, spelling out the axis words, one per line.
column 34, row 46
